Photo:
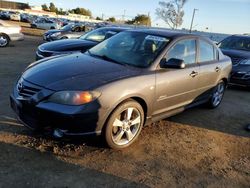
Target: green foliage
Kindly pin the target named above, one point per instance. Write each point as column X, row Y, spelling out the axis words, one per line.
column 45, row 7
column 61, row 12
column 81, row 11
column 98, row 18
column 111, row 19
column 140, row 19
column 52, row 7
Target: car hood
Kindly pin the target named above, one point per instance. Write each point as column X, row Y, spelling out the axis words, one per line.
column 237, row 53
column 67, row 45
column 75, row 72
column 241, row 68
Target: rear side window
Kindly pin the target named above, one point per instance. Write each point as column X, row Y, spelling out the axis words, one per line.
column 207, row 52
column 184, row 50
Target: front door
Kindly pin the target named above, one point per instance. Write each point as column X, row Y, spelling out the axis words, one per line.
column 177, row 87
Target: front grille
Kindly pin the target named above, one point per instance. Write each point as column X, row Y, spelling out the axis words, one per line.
column 26, row 89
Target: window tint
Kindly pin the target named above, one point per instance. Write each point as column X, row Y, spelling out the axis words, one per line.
column 97, row 35
column 185, row 50
column 236, row 42
column 206, row 52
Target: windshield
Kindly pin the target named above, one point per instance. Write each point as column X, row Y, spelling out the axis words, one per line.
column 131, row 48
column 68, row 27
column 97, row 35
column 236, row 43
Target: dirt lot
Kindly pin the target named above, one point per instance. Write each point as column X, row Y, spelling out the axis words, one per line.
column 198, row 148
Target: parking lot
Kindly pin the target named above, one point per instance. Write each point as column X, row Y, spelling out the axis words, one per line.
column 200, row 147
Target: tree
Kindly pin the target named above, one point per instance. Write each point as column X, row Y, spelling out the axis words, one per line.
column 98, row 18
column 111, row 19
column 45, row 7
column 171, row 12
column 52, row 7
column 140, row 19
column 61, row 11
column 81, row 11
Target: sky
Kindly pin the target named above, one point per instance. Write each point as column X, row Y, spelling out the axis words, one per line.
column 221, row 16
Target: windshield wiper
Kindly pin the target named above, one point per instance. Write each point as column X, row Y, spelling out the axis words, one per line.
column 104, row 57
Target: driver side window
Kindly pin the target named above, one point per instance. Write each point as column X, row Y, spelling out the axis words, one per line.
column 184, row 50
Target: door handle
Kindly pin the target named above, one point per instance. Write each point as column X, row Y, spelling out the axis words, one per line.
column 193, row 74
column 217, row 69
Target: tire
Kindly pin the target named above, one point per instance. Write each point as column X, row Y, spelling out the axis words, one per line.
column 52, row 27
column 33, row 26
column 122, row 129
column 217, row 95
column 4, row 40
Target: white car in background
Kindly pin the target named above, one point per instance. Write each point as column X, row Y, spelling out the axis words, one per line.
column 15, row 16
column 9, row 33
column 45, row 24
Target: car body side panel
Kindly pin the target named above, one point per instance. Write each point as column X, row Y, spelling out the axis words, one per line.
column 175, row 88
column 122, row 90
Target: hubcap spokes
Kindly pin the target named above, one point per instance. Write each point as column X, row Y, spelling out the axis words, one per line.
column 126, row 126
column 218, row 94
column 3, row 41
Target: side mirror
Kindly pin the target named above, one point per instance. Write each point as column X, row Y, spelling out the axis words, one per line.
column 173, row 63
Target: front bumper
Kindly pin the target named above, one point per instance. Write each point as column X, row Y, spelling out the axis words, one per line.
column 71, row 120
column 16, row 37
column 240, row 82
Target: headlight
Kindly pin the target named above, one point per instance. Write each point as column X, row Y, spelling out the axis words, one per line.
column 74, row 97
column 55, row 34
column 245, row 62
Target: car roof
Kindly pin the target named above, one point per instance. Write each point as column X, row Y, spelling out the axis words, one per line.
column 164, row 33
column 115, row 28
column 243, row 35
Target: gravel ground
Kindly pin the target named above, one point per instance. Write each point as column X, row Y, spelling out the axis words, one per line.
column 198, row 148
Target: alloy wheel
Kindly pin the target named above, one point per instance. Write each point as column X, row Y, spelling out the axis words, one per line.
column 218, row 94
column 126, row 126
column 3, row 41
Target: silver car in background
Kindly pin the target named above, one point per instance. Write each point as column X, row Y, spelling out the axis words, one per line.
column 9, row 33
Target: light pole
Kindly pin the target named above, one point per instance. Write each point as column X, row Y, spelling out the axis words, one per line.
column 191, row 27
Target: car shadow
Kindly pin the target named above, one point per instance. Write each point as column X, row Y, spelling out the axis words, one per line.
column 231, row 117
column 24, row 167
column 12, row 125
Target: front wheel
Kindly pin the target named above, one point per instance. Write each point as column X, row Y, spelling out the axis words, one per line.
column 124, row 125
column 217, row 95
column 4, row 40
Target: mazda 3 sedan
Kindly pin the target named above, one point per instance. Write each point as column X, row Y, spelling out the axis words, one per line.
column 134, row 78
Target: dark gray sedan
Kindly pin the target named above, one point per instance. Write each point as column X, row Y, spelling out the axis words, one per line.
column 123, row 83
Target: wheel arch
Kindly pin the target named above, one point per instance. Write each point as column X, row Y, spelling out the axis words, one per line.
column 225, row 80
column 138, row 99
column 6, row 35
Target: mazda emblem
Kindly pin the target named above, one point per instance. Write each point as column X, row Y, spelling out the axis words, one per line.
column 19, row 86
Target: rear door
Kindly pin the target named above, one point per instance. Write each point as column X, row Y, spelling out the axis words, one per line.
column 177, row 87
column 209, row 66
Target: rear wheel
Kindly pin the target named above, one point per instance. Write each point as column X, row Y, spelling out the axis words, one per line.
column 217, row 95
column 4, row 40
column 124, row 125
